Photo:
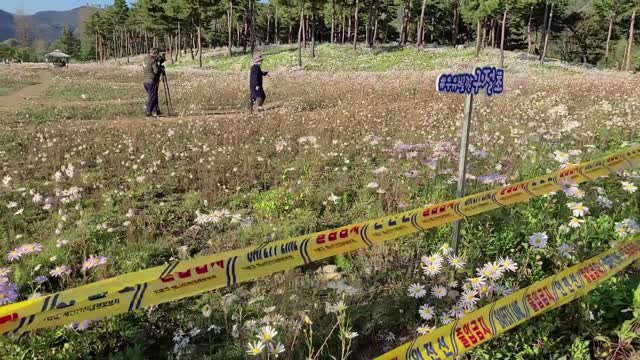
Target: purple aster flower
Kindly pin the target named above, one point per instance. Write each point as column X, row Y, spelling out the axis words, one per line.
column 8, row 293
column 93, row 261
column 494, row 178
column 405, row 147
column 4, row 272
column 15, row 254
column 432, row 164
column 31, row 248
column 480, row 153
column 84, row 325
column 569, row 187
column 41, row 280
column 59, row 271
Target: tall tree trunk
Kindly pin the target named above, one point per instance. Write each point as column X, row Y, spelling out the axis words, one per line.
column 245, row 32
column 230, row 25
column 252, row 5
column 492, row 34
column 433, row 26
column 344, row 16
column 367, row 29
column 168, row 39
column 627, row 66
column 146, row 42
column 606, row 54
column 290, row 31
column 333, row 20
column 192, row 45
column 268, row 28
column 97, row 46
column 421, row 25
column 313, row 35
column 404, row 23
column 115, row 53
column 545, row 25
column 177, row 50
column 456, row 25
column 304, row 31
column 179, row 43
column 238, row 38
column 529, row 43
column 300, row 34
column 484, row 37
column 349, row 30
column 126, row 34
column 200, row 50
column 408, row 20
column 478, row 38
column 375, row 33
column 504, row 25
column 386, row 33
column 375, row 26
column 546, row 37
column 355, row 26
column 277, row 34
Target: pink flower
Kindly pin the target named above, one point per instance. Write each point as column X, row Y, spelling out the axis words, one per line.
column 61, row 270
column 31, row 248
column 93, row 261
column 15, row 254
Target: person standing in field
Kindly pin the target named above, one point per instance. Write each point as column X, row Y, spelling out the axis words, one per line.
column 257, row 95
column 152, row 74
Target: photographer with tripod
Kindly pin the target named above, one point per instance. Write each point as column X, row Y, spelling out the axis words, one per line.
column 153, row 70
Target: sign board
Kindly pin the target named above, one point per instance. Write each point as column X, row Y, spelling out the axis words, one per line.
column 489, row 79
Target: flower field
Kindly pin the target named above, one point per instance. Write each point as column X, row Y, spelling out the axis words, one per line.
column 90, row 190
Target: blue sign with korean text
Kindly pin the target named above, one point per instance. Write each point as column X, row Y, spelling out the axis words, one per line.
column 489, row 78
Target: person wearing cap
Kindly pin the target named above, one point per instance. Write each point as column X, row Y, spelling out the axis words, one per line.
column 151, row 82
column 257, row 95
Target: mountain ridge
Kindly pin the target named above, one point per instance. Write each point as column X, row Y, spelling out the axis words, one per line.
column 46, row 25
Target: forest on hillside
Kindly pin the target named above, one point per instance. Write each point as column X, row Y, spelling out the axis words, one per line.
column 599, row 32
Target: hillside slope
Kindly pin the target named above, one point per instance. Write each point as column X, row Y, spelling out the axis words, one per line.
column 47, row 25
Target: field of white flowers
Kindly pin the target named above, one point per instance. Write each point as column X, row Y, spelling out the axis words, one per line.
column 90, row 189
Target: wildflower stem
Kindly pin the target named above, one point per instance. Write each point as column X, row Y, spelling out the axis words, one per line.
column 326, row 340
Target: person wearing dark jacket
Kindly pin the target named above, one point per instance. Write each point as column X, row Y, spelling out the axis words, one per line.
column 257, row 95
column 152, row 72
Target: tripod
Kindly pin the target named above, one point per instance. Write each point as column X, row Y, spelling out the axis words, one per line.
column 167, row 91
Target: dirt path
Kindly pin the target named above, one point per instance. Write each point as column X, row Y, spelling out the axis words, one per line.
column 13, row 100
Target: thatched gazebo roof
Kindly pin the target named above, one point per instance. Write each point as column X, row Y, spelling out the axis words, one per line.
column 56, row 54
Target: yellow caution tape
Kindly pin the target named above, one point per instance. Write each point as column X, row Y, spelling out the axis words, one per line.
column 482, row 325
column 182, row 279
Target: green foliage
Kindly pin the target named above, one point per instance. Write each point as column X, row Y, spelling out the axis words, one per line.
column 87, row 51
column 68, row 43
column 7, row 51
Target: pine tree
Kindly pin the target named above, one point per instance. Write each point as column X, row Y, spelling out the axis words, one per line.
column 68, row 43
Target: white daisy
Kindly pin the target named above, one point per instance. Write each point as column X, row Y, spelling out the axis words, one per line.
column 538, row 240
column 426, row 312
column 417, row 290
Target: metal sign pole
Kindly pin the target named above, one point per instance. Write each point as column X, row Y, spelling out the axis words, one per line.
column 462, row 167
column 488, row 79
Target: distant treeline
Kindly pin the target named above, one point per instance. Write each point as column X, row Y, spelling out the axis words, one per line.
column 597, row 32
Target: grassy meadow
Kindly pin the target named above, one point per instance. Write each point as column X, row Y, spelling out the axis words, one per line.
column 91, row 189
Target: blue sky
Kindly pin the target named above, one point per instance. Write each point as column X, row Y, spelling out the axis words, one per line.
column 32, row 6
